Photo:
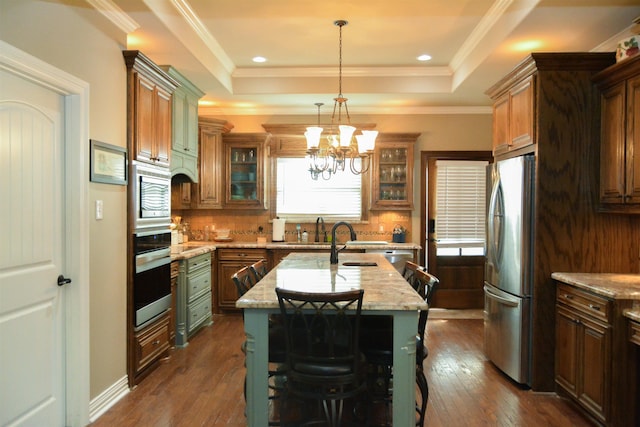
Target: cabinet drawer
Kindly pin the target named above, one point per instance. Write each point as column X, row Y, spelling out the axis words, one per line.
column 241, row 254
column 634, row 332
column 198, row 312
column 198, row 283
column 198, row 262
column 151, row 342
column 585, row 302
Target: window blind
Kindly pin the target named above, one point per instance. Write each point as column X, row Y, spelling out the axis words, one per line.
column 300, row 197
column 460, row 204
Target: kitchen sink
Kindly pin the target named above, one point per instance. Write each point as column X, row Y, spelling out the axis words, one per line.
column 306, row 243
column 360, row 264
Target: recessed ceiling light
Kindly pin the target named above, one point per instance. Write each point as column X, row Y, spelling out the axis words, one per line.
column 424, row 57
column 527, row 45
column 259, row 59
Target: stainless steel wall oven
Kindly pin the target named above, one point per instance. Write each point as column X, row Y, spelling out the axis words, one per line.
column 152, row 278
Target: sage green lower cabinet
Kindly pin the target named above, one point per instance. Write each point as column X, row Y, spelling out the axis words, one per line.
column 193, row 297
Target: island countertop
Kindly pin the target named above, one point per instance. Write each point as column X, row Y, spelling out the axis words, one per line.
column 385, row 288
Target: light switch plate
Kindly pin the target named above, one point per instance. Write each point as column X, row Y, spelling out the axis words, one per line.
column 99, row 209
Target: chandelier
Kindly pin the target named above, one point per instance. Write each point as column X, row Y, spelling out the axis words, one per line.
column 330, row 156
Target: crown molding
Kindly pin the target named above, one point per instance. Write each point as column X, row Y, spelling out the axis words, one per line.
column 411, row 71
column 218, row 111
column 115, row 15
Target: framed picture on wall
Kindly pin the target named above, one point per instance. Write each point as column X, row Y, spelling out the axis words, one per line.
column 108, row 163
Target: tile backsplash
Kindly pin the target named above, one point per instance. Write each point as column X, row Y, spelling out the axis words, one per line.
column 248, row 226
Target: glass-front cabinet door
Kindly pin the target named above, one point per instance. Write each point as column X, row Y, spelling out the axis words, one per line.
column 392, row 176
column 244, row 157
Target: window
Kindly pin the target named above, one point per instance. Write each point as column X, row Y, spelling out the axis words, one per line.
column 300, row 198
column 460, row 207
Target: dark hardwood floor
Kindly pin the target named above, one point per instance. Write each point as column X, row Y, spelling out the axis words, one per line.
column 202, row 385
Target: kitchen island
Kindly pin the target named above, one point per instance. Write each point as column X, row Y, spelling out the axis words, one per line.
column 385, row 293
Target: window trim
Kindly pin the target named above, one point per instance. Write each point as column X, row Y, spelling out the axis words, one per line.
column 426, row 157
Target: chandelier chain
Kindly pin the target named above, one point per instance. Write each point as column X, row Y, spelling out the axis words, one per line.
column 340, row 24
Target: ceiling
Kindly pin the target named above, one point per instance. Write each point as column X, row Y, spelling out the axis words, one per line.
column 472, row 44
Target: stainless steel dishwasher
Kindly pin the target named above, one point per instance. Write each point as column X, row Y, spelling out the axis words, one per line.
column 397, row 257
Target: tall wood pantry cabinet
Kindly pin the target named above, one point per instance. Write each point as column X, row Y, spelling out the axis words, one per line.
column 569, row 232
column 620, row 142
column 149, row 112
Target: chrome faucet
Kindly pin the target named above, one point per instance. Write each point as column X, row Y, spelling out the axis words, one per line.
column 334, row 251
column 324, row 231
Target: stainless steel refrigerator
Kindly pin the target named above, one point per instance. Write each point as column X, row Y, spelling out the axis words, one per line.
column 508, row 266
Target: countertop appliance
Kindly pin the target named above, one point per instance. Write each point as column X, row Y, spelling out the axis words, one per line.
column 508, row 266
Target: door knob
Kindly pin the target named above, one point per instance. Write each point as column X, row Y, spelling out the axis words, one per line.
column 63, row 280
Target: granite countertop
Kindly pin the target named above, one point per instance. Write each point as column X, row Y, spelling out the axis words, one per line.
column 634, row 313
column 610, row 285
column 190, row 249
column 195, row 248
column 384, row 288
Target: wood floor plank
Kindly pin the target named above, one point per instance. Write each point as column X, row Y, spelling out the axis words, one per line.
column 202, row 385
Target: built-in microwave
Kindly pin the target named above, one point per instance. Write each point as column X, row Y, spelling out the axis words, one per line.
column 152, row 196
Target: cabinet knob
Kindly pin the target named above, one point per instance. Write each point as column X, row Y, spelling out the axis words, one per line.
column 594, row 307
column 567, row 296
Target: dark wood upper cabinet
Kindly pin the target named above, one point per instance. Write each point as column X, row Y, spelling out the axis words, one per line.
column 620, row 137
column 514, row 116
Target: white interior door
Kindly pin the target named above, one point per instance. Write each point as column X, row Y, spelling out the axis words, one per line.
column 32, row 254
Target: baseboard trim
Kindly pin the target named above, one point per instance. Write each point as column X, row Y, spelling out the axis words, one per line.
column 108, row 398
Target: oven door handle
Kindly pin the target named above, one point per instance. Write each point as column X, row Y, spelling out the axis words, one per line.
column 153, row 259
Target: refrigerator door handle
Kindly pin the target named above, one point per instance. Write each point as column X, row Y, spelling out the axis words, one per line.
column 500, row 299
column 495, row 220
